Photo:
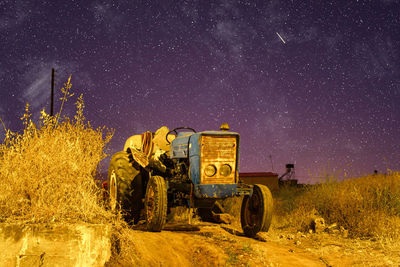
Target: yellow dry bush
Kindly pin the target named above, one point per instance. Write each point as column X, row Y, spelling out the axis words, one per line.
column 124, row 251
column 47, row 172
column 367, row 206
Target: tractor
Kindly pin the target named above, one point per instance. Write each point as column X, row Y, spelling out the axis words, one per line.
column 158, row 171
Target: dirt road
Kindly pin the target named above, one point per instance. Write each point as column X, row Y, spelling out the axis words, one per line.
column 204, row 244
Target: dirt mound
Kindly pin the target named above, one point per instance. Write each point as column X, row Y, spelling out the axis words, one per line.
column 210, row 245
column 172, row 249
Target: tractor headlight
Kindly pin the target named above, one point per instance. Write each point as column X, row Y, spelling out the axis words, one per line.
column 210, row 170
column 225, row 170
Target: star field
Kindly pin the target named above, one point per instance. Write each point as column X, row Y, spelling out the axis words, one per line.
column 314, row 83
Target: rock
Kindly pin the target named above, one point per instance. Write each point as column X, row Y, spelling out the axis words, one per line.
column 332, row 229
column 344, row 232
column 259, row 237
column 332, row 226
column 222, row 218
column 318, row 225
column 290, row 237
column 297, row 242
column 313, row 218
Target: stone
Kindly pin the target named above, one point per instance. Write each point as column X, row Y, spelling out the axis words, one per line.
column 332, row 226
column 222, row 218
column 344, row 232
column 318, row 225
column 290, row 237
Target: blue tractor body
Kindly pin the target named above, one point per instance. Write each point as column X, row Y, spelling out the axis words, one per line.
column 210, row 149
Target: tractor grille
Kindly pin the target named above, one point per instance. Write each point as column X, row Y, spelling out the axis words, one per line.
column 218, row 150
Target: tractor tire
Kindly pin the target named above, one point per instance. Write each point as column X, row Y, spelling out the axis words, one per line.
column 125, row 187
column 256, row 211
column 155, row 203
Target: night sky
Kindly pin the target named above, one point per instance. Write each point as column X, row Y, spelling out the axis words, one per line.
column 314, row 83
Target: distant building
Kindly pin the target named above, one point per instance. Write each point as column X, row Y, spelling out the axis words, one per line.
column 269, row 179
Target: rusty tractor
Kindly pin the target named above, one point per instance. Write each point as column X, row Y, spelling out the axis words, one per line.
column 182, row 167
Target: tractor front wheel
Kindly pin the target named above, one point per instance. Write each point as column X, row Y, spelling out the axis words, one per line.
column 256, row 212
column 155, row 203
column 124, row 187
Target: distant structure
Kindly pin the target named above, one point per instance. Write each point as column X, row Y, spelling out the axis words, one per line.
column 52, row 93
column 289, row 177
column 269, row 179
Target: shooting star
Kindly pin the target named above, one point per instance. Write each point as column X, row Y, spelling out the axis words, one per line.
column 280, row 37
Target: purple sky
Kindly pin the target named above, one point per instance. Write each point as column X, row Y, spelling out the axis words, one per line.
column 325, row 96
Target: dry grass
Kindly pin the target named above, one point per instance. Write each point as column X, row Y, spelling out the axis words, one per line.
column 47, row 172
column 367, row 206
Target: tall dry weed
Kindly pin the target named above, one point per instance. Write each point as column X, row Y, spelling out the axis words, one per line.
column 47, row 171
column 367, row 206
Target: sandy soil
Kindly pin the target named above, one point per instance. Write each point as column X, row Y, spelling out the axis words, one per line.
column 206, row 244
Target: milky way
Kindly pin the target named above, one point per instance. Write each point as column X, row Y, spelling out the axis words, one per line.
column 314, row 83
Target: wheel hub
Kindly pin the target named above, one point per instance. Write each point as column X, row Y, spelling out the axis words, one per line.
column 253, row 211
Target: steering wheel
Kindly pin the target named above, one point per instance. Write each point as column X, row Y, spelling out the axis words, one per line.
column 176, row 133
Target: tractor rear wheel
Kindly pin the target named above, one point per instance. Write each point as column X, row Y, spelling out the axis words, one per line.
column 125, row 187
column 256, row 212
column 155, row 203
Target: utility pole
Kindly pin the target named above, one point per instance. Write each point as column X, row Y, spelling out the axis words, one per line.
column 52, row 93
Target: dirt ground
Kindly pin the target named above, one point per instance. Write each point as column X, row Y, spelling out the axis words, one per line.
column 207, row 244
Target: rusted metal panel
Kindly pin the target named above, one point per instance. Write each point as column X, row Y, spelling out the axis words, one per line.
column 218, row 150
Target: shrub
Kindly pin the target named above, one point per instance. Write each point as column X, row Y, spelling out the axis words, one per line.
column 366, row 206
column 47, row 172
